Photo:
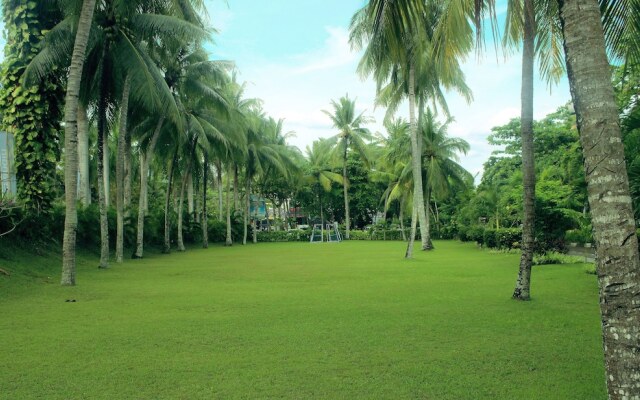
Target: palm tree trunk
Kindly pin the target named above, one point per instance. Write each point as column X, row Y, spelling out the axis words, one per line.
column 84, row 184
column 106, row 178
column 219, row 182
column 321, row 220
column 104, row 223
column 428, row 218
column 229, row 240
column 247, row 210
column 404, row 236
column 145, row 158
column 418, row 196
column 523, row 283
column 167, row 203
column 120, row 156
column 205, row 217
column 127, row 175
column 345, row 184
column 186, row 178
column 412, row 234
column 190, row 202
column 71, row 144
column 618, row 263
column 236, row 187
column 103, row 145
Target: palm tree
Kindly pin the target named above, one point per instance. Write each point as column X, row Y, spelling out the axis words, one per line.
column 618, row 262
column 401, row 53
column 352, row 136
column 70, row 143
column 440, row 160
column 318, row 172
column 535, row 23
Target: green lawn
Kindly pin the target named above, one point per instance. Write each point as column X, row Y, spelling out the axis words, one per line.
column 303, row 321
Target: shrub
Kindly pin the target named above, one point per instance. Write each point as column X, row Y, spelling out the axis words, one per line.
column 508, row 238
column 476, row 233
column 490, row 238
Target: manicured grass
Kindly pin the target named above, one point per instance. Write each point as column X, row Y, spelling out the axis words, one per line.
column 300, row 321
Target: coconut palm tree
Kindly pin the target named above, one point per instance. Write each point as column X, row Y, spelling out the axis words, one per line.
column 318, row 174
column 440, row 159
column 401, row 52
column 70, row 143
column 352, row 137
column 618, row 262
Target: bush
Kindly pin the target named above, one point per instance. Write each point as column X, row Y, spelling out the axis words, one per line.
column 555, row 258
column 508, row 238
column 490, row 238
column 580, row 236
column 476, row 234
column 284, row 236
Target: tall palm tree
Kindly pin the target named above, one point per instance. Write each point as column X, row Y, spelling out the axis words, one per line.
column 534, row 23
column 352, row 136
column 618, row 262
column 70, row 143
column 318, row 173
column 401, row 53
column 440, row 158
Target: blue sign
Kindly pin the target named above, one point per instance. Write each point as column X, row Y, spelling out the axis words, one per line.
column 7, row 167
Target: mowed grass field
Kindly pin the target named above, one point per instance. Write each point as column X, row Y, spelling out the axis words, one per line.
column 304, row 321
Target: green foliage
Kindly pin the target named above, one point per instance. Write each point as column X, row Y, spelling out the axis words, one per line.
column 31, row 112
column 580, row 236
column 556, row 258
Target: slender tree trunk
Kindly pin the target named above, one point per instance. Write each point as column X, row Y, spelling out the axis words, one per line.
column 145, row 158
column 427, row 206
column 127, row 175
column 247, row 210
column 229, row 240
column 120, row 156
column 412, row 234
column 71, row 144
column 205, row 218
column 106, row 177
column 416, row 163
column 219, row 182
column 84, row 185
column 104, row 222
column 167, row 203
column 618, row 264
column 185, row 181
column 404, row 236
column 236, row 187
column 103, row 145
column 523, row 283
column 345, row 185
column 180, row 207
column 190, row 202
column 321, row 220
column 255, row 225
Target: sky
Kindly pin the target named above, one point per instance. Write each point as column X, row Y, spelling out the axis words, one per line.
column 295, row 56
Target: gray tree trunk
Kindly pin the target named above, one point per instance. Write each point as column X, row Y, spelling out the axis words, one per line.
column 412, row 233
column 71, row 144
column 523, row 283
column 120, row 156
column 416, row 163
column 229, row 240
column 190, row 200
column 102, row 201
column 145, row 158
column 205, row 218
column 186, row 178
column 345, row 185
column 106, row 176
column 247, row 210
column 618, row 264
column 84, row 184
column 236, row 187
column 167, row 203
column 219, row 183
column 127, row 175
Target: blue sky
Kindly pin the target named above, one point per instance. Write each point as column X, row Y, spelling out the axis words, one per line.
column 295, row 56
